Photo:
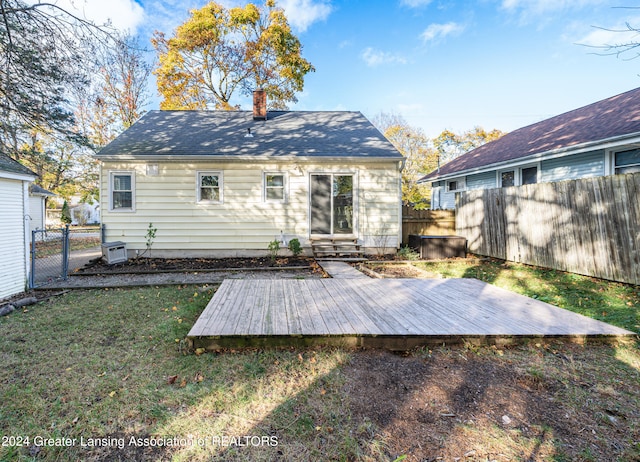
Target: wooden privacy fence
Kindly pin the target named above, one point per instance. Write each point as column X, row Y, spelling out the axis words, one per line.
column 589, row 226
column 427, row 222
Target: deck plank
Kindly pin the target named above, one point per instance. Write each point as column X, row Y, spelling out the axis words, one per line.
column 332, row 318
column 415, row 317
column 319, row 325
column 363, row 320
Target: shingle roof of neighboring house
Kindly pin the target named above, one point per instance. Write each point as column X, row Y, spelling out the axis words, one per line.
column 223, row 133
column 39, row 191
column 610, row 118
column 7, row 164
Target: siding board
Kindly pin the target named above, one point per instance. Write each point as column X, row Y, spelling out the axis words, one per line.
column 573, row 167
column 243, row 221
column 12, row 246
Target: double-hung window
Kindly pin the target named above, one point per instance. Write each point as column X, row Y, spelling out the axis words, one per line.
column 210, row 187
column 122, row 191
column 455, row 185
column 507, row 178
column 529, row 175
column 275, row 187
column 627, row 161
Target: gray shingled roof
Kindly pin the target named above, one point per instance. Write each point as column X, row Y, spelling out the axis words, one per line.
column 222, row 133
column 610, row 118
column 40, row 191
column 7, row 164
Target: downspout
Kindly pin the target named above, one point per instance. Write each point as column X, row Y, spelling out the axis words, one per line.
column 400, row 169
column 102, row 230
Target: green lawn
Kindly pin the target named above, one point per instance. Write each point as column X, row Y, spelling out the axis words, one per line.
column 100, row 367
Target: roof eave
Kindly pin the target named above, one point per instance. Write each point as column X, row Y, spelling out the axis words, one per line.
column 232, row 159
column 607, row 143
column 17, row 176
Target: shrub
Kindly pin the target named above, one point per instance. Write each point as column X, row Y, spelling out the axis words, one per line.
column 295, row 247
column 407, row 253
column 65, row 215
column 274, row 248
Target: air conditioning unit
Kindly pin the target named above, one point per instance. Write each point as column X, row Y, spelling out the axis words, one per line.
column 114, row 252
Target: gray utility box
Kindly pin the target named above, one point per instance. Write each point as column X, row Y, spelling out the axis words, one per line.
column 114, row 252
column 438, row 247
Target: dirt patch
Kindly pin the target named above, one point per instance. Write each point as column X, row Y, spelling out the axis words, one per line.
column 459, row 405
column 153, row 265
column 398, row 270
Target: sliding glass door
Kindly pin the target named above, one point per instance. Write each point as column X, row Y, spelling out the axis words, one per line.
column 331, row 199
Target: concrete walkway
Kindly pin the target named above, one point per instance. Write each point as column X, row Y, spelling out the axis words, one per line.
column 341, row 270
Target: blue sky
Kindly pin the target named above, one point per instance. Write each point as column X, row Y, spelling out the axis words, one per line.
column 441, row 64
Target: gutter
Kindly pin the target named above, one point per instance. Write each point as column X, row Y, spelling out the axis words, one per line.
column 244, row 159
column 546, row 155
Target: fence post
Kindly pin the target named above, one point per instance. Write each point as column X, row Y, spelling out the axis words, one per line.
column 32, row 280
column 65, row 252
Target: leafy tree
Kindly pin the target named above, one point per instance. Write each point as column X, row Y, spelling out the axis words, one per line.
column 451, row 145
column 420, row 157
column 65, row 214
column 218, row 52
column 124, row 75
column 67, row 86
column 44, row 52
column 48, row 56
column 118, row 95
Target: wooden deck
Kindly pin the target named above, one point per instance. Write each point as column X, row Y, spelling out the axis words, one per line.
column 383, row 313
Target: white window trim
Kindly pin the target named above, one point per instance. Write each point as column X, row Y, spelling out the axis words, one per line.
column 199, row 176
column 611, row 164
column 522, row 167
column 113, row 173
column 610, row 161
column 285, row 186
column 517, row 174
column 461, row 184
column 356, row 201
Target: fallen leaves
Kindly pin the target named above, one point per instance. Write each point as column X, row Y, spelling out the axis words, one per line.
column 182, row 382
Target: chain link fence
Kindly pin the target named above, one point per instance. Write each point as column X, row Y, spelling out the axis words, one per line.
column 49, row 255
column 57, row 252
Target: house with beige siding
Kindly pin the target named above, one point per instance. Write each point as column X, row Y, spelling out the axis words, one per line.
column 14, row 226
column 226, row 183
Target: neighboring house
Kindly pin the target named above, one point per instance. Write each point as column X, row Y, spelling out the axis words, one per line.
column 602, row 138
column 85, row 213
column 226, row 183
column 14, row 226
column 38, row 207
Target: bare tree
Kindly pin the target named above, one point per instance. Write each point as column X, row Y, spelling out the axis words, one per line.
column 45, row 52
column 629, row 48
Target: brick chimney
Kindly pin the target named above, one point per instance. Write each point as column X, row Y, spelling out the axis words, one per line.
column 259, row 105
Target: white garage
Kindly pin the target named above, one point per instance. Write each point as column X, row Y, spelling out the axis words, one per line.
column 14, row 226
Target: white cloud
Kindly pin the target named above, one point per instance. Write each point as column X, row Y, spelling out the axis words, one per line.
column 611, row 36
column 303, row 13
column 123, row 14
column 541, row 7
column 415, row 3
column 437, row 32
column 375, row 58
